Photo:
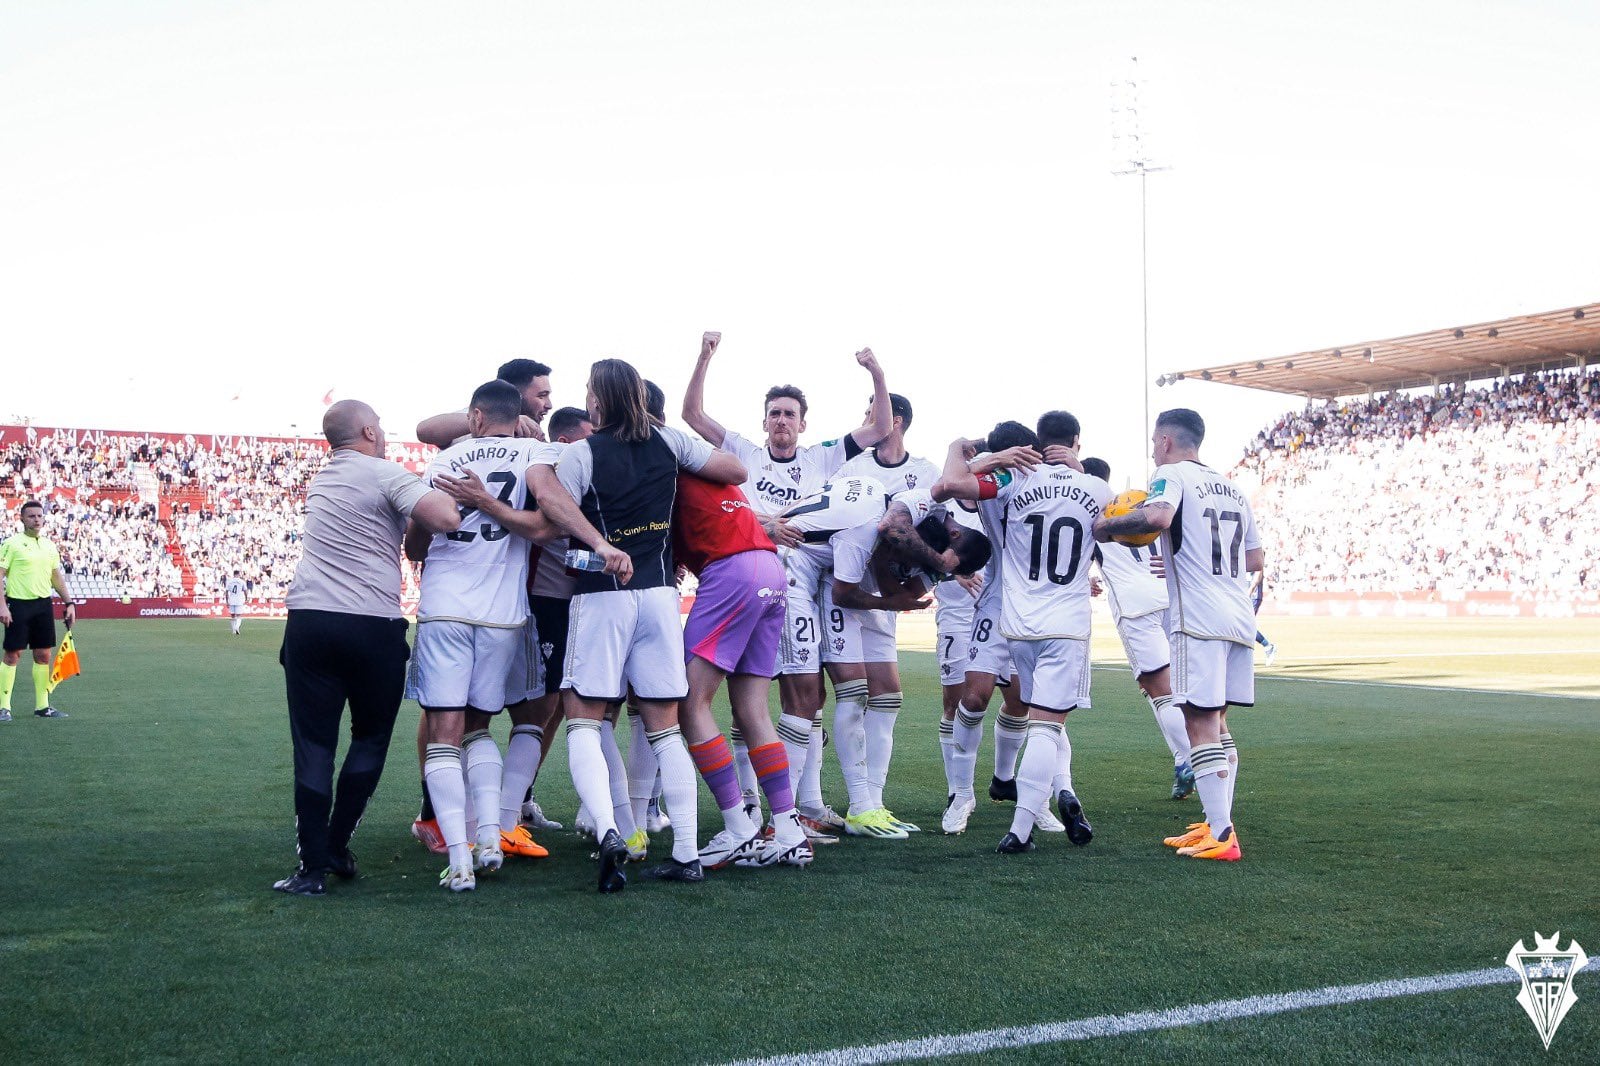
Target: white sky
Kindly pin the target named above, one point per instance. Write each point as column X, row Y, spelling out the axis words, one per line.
column 200, row 201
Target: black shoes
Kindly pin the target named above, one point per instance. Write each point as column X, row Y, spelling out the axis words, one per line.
column 1010, row 845
column 613, row 854
column 342, row 864
column 1079, row 831
column 302, row 883
column 1003, row 791
column 673, row 870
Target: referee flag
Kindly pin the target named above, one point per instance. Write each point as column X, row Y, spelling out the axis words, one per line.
column 66, row 664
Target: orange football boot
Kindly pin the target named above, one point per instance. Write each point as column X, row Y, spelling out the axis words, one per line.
column 1197, row 832
column 1211, row 848
column 518, row 842
column 427, row 832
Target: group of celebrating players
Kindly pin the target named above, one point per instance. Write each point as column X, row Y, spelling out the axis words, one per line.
column 557, row 598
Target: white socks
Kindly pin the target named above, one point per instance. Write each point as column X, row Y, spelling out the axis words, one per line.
column 678, row 786
column 617, row 771
column 810, row 794
column 1040, row 763
column 749, row 784
column 590, row 777
column 1232, row 751
column 1009, row 733
column 882, row 711
column 447, row 788
column 1063, row 777
column 484, row 766
column 521, row 764
column 641, row 769
column 964, row 761
column 795, row 732
column 850, row 741
column 1210, row 764
column 1170, row 718
column 947, row 752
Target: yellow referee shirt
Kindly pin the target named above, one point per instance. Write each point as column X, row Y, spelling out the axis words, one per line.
column 29, row 563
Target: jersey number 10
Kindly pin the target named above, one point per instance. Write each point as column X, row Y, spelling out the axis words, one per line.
column 1051, row 558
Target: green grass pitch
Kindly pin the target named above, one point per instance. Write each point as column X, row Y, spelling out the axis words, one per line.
column 1387, row 833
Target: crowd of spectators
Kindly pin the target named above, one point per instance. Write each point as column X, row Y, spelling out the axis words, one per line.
column 237, row 507
column 1488, row 489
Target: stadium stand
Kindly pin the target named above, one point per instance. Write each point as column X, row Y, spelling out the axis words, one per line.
column 1487, row 490
column 164, row 515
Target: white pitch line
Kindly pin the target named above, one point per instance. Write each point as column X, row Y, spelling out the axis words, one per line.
column 977, row 1043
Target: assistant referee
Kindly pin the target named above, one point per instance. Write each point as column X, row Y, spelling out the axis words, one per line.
column 345, row 641
column 30, row 567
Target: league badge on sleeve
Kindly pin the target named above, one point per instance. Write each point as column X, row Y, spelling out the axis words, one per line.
column 1546, row 974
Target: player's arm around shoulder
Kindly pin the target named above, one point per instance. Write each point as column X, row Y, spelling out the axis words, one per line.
column 413, row 497
column 1154, row 515
column 702, row 460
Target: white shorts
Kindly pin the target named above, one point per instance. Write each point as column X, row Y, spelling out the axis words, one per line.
column 954, row 637
column 850, row 636
column 456, row 664
column 1053, row 673
column 623, row 638
column 525, row 679
column 1144, row 639
column 800, row 648
column 988, row 651
column 1212, row 674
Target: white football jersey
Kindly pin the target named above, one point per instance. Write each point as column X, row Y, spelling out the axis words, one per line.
column 948, row 592
column 479, row 573
column 907, row 475
column 844, row 503
column 235, row 591
column 852, row 548
column 774, row 485
column 1207, row 585
column 1132, row 590
column 1050, row 511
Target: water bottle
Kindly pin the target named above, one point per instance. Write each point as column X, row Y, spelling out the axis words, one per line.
column 579, row 561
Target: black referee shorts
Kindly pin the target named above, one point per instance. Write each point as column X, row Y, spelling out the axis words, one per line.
column 33, row 624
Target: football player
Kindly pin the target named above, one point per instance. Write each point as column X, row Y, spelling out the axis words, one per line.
column 1210, row 545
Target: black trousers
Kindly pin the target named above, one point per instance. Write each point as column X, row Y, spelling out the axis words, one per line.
column 329, row 660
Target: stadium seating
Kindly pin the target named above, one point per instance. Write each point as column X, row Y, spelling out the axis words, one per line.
column 1483, row 490
column 219, row 505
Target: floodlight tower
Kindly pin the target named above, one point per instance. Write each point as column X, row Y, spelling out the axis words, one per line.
column 1131, row 156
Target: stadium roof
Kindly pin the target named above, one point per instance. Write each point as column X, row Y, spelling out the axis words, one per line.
column 1568, row 337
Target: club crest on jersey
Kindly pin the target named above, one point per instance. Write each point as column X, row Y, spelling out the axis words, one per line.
column 1546, row 974
column 911, row 481
column 794, row 472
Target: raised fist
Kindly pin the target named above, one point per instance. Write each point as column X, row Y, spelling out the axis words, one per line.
column 866, row 359
column 708, row 343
